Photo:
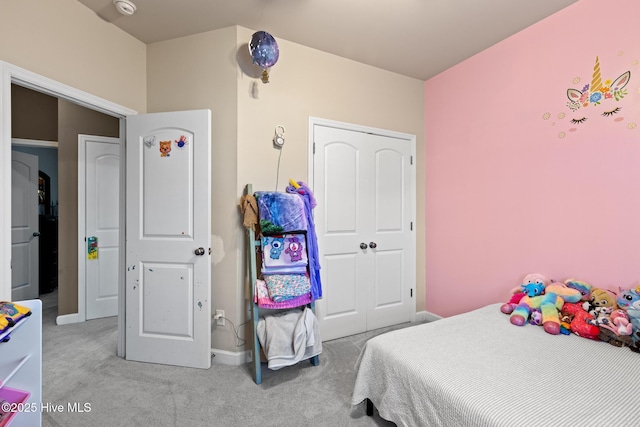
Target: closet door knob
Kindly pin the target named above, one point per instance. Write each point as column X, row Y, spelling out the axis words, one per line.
column 199, row 251
column 36, row 233
column 373, row 245
column 363, row 245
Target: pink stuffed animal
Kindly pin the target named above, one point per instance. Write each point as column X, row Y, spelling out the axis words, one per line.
column 616, row 329
column 620, row 320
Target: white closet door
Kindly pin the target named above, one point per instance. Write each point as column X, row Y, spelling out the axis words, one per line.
column 364, row 187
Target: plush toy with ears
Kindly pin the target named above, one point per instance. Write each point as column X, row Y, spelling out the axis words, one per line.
column 550, row 304
column 626, row 297
column 600, row 298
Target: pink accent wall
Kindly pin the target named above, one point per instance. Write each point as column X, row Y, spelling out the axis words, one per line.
column 510, row 188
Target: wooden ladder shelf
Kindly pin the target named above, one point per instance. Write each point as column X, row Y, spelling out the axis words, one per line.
column 254, row 247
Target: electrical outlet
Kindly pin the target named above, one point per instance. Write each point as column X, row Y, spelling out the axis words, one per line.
column 220, row 317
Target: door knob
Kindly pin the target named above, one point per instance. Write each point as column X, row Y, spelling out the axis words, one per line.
column 36, row 233
column 199, row 251
column 373, row 245
column 363, row 245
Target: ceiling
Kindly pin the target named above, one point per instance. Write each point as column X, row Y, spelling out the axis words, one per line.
column 415, row 38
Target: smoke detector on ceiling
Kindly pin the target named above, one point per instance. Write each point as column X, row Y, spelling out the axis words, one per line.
column 125, row 7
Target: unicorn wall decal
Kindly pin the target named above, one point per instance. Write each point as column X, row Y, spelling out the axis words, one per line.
column 597, row 98
column 597, row 92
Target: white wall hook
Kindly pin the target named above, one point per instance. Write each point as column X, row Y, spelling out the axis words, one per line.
column 278, row 139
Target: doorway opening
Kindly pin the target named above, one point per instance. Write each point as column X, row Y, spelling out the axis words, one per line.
column 13, row 75
column 47, row 154
column 47, row 126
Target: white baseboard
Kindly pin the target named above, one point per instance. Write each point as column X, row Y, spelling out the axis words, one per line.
column 223, row 357
column 67, row 319
column 425, row 316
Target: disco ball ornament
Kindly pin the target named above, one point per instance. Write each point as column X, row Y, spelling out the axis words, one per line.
column 264, row 52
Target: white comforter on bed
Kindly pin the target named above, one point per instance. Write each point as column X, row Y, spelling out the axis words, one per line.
column 477, row 369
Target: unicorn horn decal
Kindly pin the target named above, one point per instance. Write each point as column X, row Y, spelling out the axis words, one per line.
column 596, row 93
column 596, row 80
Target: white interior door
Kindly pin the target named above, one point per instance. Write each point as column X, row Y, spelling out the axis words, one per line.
column 364, row 186
column 98, row 224
column 24, row 226
column 168, row 261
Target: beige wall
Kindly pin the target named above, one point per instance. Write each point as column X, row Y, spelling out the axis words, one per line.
column 307, row 82
column 67, row 42
column 197, row 72
column 215, row 72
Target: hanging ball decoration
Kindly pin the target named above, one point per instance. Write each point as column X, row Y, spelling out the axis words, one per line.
column 264, row 52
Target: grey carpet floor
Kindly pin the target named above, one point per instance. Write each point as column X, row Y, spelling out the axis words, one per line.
column 80, row 366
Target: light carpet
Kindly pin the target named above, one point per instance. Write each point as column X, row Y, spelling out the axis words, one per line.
column 80, row 366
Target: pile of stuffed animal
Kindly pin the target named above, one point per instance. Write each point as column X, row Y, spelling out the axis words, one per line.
column 574, row 306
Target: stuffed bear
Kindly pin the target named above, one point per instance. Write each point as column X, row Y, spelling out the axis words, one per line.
column 549, row 304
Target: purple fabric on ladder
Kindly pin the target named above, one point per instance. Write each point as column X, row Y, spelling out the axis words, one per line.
column 312, row 240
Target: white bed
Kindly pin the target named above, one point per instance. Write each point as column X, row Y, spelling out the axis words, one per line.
column 477, row 369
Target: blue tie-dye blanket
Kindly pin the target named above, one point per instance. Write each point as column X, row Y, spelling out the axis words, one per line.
column 281, row 212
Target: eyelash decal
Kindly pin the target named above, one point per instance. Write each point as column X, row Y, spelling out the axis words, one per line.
column 578, row 121
column 611, row 113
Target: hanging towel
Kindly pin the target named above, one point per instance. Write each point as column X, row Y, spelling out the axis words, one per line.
column 249, row 208
column 280, row 212
column 304, row 192
column 289, row 337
